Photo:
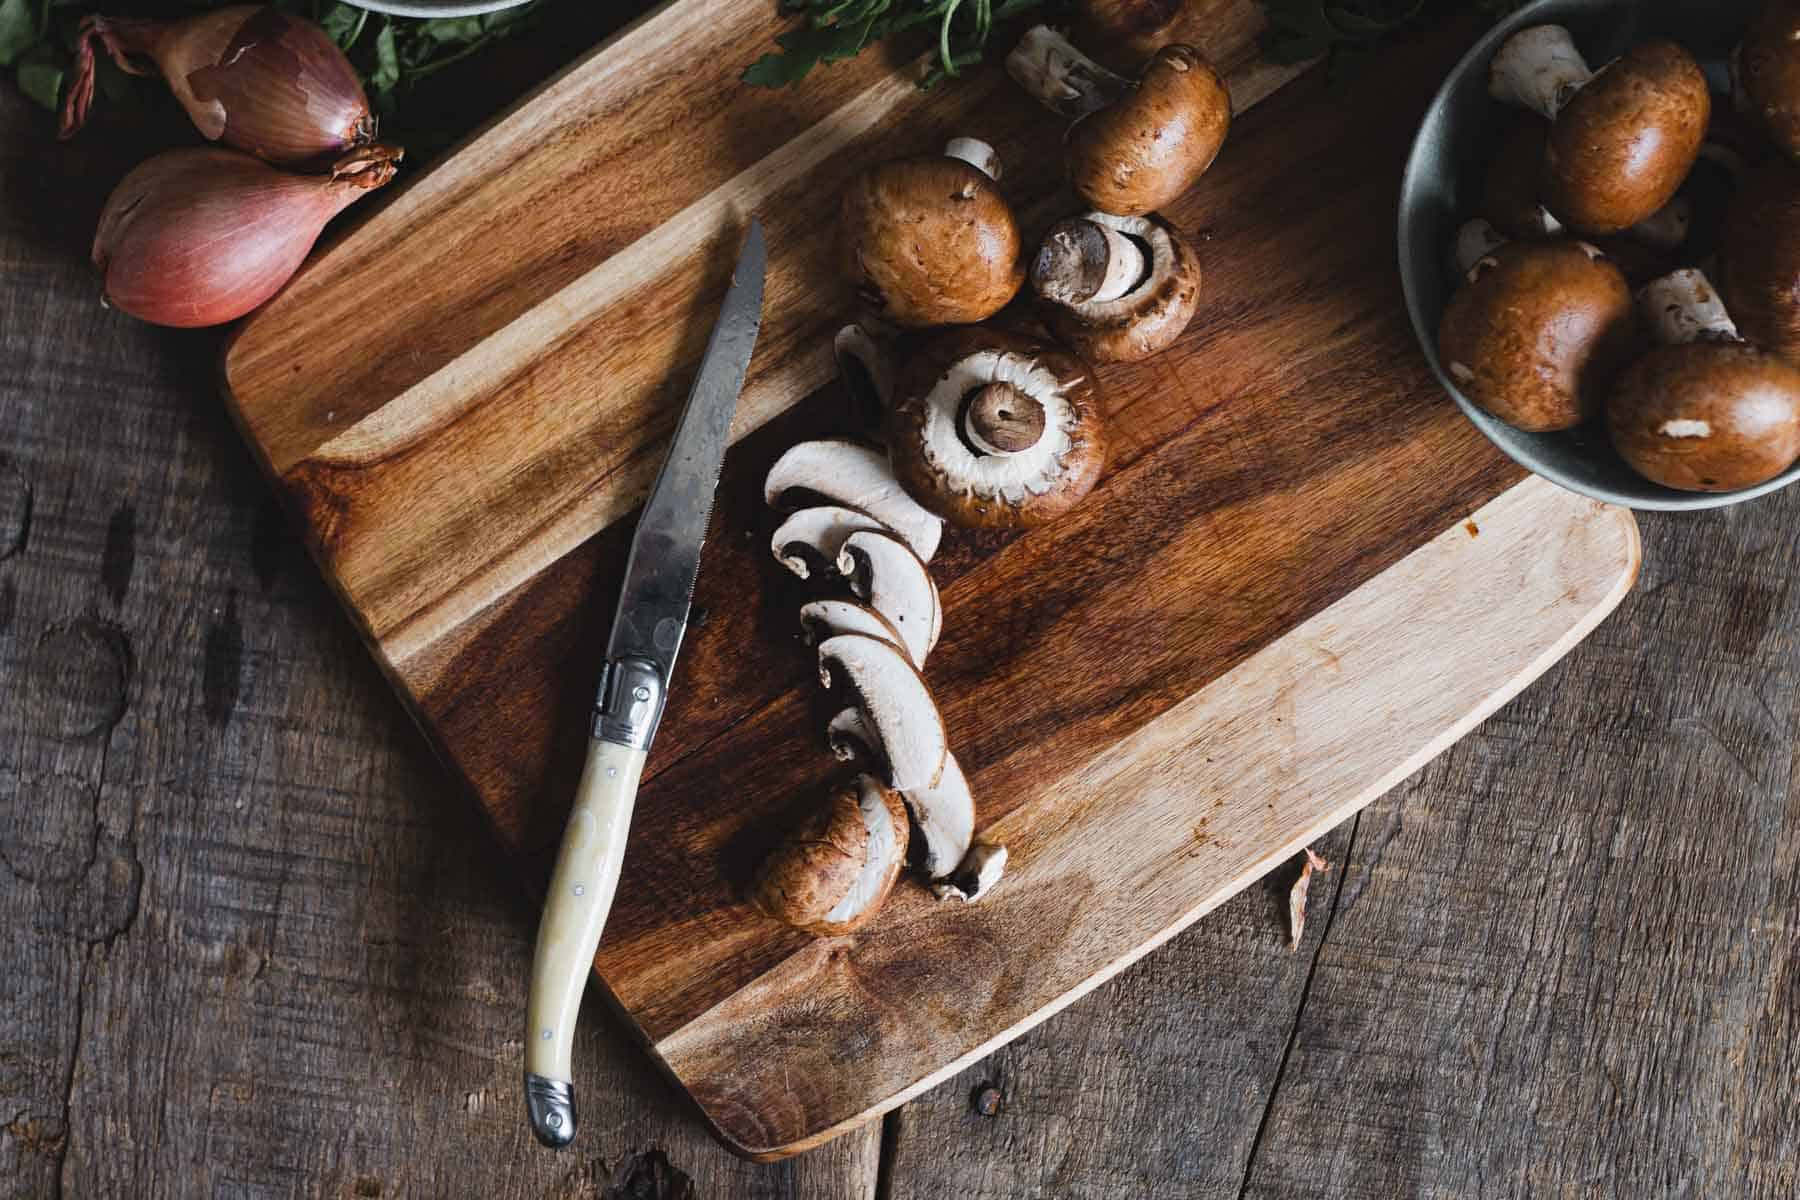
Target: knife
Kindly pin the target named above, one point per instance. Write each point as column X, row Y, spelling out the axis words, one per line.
column 646, row 634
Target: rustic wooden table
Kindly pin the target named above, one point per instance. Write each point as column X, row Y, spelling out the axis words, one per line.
column 253, row 948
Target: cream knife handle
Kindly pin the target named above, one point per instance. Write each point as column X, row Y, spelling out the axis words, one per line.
column 581, row 893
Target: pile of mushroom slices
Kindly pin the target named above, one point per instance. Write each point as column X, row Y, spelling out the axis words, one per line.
column 1632, row 177
column 878, row 617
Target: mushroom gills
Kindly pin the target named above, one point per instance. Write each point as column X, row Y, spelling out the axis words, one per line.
column 855, row 476
column 886, row 848
column 885, row 572
column 822, row 619
column 815, row 536
column 896, row 707
column 944, row 820
column 850, row 737
column 980, row 869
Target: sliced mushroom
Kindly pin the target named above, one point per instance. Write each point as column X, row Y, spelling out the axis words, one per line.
column 944, row 816
column 822, row 619
column 1116, row 289
column 867, row 371
column 1136, row 145
column 930, row 240
column 1766, row 72
column 897, row 709
column 1706, row 411
column 991, row 430
column 814, row 536
column 854, row 476
column 833, row 874
column 980, row 869
column 1537, row 333
column 1759, row 258
column 1622, row 140
column 897, row 585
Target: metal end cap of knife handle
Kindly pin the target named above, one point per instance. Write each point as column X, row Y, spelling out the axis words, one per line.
column 551, row 1105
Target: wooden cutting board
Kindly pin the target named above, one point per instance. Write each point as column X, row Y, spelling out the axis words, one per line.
column 1304, row 575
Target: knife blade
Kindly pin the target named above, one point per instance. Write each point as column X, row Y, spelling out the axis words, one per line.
column 647, row 631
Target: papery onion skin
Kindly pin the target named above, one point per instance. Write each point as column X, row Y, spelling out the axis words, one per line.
column 250, row 76
column 201, row 236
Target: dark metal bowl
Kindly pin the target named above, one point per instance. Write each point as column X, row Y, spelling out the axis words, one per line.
column 1443, row 179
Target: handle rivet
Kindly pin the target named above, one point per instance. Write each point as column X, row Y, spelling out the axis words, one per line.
column 641, row 694
column 547, row 1035
column 580, row 889
column 611, row 771
column 554, row 1120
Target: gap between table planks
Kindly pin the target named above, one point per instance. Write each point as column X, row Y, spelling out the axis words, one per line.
column 461, row 460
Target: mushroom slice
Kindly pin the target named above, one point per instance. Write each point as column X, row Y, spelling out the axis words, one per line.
column 833, row 873
column 866, row 370
column 816, row 535
column 980, row 869
column 897, row 708
column 991, row 430
column 944, row 817
column 822, row 619
column 897, row 585
column 854, row 476
column 1117, row 289
column 850, row 738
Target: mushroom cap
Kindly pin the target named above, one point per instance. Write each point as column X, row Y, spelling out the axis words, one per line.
column 929, row 241
column 1145, row 320
column 1707, row 416
column 1143, row 152
column 815, row 867
column 1768, row 71
column 1537, row 333
column 1622, row 146
column 939, row 469
column 1759, row 255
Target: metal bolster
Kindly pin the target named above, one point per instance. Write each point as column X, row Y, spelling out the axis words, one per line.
column 630, row 703
column 550, row 1103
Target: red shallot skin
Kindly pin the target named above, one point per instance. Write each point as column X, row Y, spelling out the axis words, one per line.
column 250, row 76
column 202, row 236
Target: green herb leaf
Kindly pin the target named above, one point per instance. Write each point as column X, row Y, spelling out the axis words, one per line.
column 18, row 30
column 387, row 60
column 838, row 29
column 42, row 82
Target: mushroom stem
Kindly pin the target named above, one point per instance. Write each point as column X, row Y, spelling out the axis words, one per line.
column 1540, row 69
column 1683, row 306
column 1474, row 241
column 1060, row 77
column 976, row 153
column 1082, row 260
column 1003, row 420
column 1668, row 226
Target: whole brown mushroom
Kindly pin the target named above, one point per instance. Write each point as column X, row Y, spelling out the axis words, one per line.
column 1537, row 332
column 1705, row 411
column 1622, row 140
column 1121, row 35
column 992, row 430
column 1759, row 259
column 1136, row 145
column 1116, row 289
column 930, row 240
column 1765, row 72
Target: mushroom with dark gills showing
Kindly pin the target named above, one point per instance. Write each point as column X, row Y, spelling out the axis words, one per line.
column 832, row 873
column 897, row 586
column 1621, row 140
column 1705, row 411
column 814, row 536
column 851, row 475
column 930, row 240
column 898, row 713
column 1116, row 289
column 821, row 619
column 1759, row 259
column 943, row 815
column 1136, row 145
column 1765, row 72
column 992, row 430
column 1537, row 333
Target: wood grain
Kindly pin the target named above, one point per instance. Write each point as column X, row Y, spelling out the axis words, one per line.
column 1273, row 462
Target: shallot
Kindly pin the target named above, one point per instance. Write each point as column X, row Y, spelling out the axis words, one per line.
column 249, row 75
column 203, row 235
